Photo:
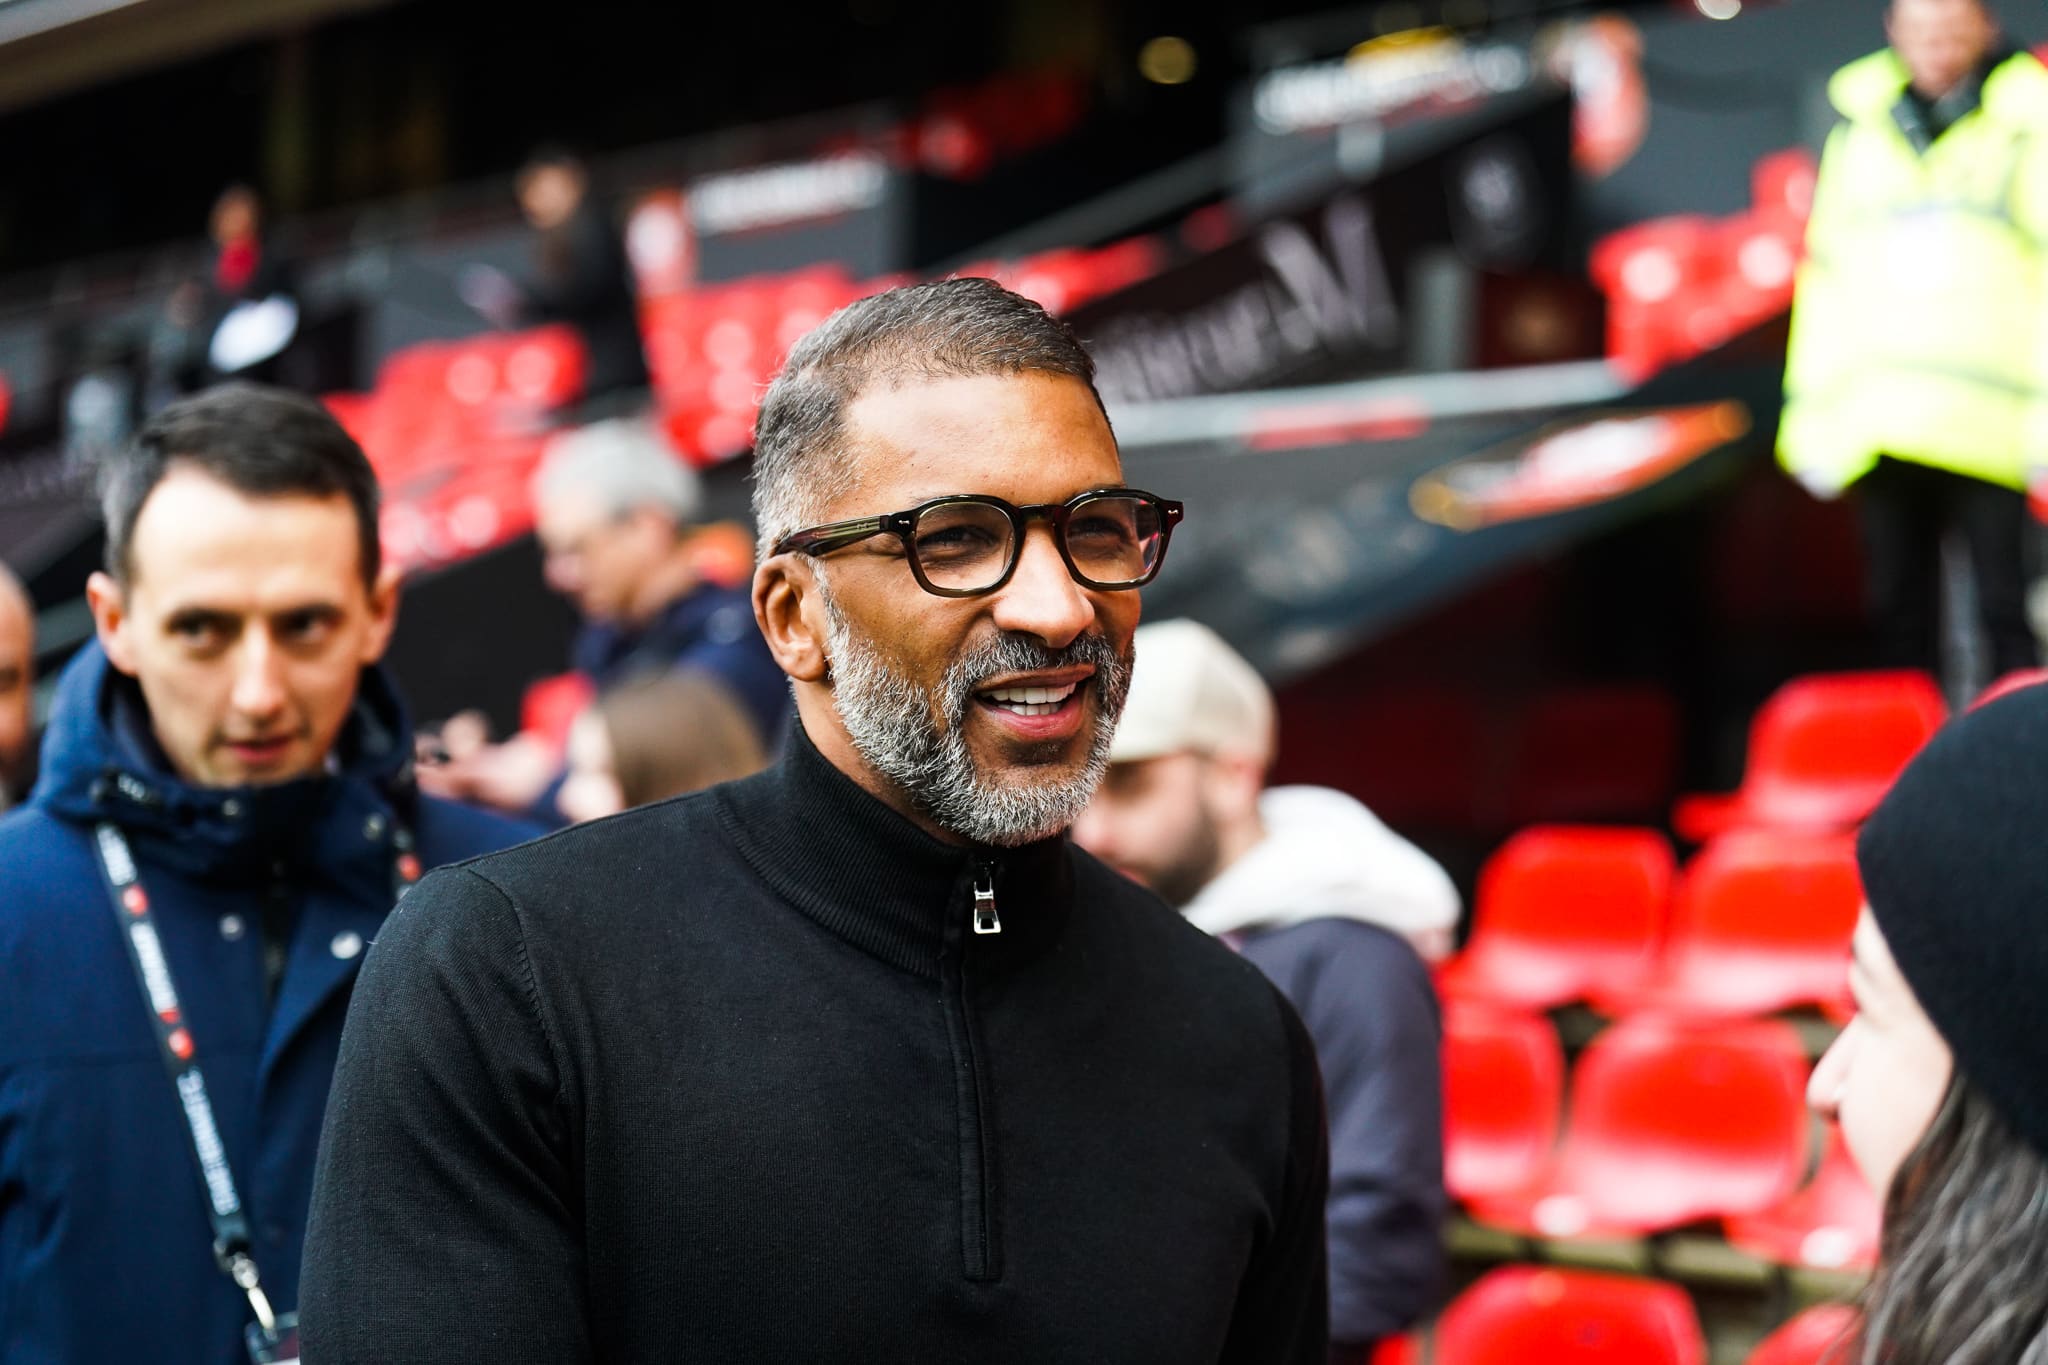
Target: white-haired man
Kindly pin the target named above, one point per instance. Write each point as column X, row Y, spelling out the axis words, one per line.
column 616, row 514
column 860, row 1058
column 1332, row 905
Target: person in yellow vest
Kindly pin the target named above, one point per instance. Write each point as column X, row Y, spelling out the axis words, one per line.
column 1916, row 369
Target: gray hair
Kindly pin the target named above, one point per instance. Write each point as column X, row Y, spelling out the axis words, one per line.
column 953, row 329
column 625, row 464
column 1962, row 1274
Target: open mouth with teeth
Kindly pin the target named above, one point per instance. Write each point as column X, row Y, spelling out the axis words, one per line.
column 1030, row 701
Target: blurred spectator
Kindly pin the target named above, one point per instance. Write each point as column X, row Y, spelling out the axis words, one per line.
column 1915, row 360
column 583, row 279
column 1938, row 1081
column 652, row 738
column 226, row 775
column 251, row 306
column 17, row 685
column 238, row 318
column 615, row 509
column 1332, row 905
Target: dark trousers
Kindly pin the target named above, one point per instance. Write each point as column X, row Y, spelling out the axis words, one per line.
column 1906, row 509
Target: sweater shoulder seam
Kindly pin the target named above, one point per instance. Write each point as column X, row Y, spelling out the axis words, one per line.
column 540, row 1017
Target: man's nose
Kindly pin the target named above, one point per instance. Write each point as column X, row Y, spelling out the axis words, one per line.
column 259, row 677
column 1042, row 598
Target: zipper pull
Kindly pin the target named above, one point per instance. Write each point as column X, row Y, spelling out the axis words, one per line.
column 985, row 921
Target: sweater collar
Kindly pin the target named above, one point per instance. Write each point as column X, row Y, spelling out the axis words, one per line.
column 870, row 876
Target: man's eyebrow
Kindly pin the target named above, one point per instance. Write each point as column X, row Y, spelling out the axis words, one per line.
column 199, row 616
column 316, row 608
column 10, row 677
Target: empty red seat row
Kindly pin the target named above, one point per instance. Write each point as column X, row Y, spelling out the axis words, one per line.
column 1681, row 285
column 1669, row 1124
column 1562, row 910
column 1537, row 1315
column 1823, row 750
column 1759, row 922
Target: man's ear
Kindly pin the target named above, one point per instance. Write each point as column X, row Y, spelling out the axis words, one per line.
column 787, row 609
column 1235, row 783
column 383, row 613
column 109, row 603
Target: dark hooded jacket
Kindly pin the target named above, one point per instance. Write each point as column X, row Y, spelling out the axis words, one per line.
column 104, row 1240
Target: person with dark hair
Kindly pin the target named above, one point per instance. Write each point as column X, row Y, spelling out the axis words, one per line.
column 859, row 1058
column 17, row 685
column 224, row 817
column 1938, row 1081
column 582, row 278
column 1914, row 360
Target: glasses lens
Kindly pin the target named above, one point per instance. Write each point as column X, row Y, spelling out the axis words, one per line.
column 1115, row 539
column 962, row 545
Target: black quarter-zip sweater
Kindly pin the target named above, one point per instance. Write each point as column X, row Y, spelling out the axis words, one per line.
column 735, row 1078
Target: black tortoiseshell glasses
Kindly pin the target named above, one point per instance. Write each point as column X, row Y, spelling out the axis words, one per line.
column 967, row 544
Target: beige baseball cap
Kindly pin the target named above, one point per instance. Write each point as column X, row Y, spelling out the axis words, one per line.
column 1191, row 692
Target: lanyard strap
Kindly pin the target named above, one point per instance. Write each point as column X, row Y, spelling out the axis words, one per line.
column 231, row 1240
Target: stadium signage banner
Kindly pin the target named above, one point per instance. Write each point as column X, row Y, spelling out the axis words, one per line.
column 1387, row 80
column 1325, row 292
column 1298, row 291
column 775, row 196
column 849, row 209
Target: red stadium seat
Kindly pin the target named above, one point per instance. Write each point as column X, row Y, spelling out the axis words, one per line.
column 1761, row 922
column 1648, row 272
column 352, row 410
column 1781, row 184
column 1822, row 752
column 1562, row 911
column 544, row 367
column 1405, row 1350
column 1809, row 1339
column 1530, row 1315
column 1670, row 1124
column 1831, row 1224
column 550, row 706
column 1503, row 1091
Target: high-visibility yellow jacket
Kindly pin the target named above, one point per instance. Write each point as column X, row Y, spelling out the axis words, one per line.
column 1918, row 327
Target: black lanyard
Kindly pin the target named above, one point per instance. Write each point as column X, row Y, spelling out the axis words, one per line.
column 231, row 1241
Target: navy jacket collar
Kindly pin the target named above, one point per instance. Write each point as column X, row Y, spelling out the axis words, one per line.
column 100, row 761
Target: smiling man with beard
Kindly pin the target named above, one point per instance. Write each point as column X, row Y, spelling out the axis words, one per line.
column 859, row 1059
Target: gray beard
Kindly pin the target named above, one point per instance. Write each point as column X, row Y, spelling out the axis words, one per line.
column 889, row 719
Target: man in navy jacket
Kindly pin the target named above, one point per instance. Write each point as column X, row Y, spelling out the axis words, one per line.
column 229, row 764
